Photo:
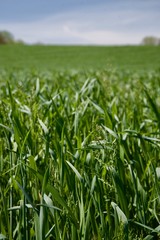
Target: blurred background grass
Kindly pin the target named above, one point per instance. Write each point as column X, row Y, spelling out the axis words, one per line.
column 132, row 58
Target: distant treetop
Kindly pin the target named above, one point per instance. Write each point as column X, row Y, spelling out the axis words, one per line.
column 150, row 40
column 8, row 38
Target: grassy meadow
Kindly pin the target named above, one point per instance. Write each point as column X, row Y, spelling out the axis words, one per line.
column 134, row 58
column 79, row 143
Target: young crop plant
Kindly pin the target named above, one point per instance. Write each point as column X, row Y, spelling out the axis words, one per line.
column 79, row 155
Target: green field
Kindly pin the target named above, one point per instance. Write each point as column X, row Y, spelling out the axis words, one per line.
column 79, row 143
column 80, row 57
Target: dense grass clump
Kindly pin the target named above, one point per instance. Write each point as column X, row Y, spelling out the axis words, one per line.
column 79, row 155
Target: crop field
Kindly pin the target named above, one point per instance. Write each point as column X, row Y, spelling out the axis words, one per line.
column 79, row 145
column 134, row 58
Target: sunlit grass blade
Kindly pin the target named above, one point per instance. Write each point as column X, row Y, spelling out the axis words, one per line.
column 2, row 236
column 75, row 171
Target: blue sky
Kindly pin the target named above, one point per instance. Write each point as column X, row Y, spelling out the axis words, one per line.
column 102, row 22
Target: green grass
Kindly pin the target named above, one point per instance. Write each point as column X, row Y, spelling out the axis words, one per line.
column 133, row 58
column 79, row 154
column 79, row 142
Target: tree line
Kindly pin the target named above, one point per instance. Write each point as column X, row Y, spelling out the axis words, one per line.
column 8, row 38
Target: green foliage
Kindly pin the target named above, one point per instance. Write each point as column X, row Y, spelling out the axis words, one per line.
column 79, row 155
column 6, row 37
column 152, row 41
